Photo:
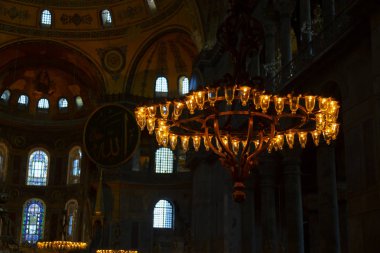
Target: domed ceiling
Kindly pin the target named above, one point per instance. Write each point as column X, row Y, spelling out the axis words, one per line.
column 170, row 55
column 45, row 69
column 83, row 19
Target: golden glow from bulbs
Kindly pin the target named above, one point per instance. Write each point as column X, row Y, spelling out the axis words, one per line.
column 244, row 94
column 318, row 117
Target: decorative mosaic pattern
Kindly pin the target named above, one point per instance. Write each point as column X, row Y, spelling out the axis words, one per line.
column 130, row 12
column 70, row 3
column 113, row 60
column 76, row 19
column 14, row 13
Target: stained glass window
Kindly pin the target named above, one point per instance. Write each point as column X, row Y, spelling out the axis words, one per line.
column 106, row 17
column 183, row 85
column 63, row 104
column 33, row 218
column 152, row 5
column 38, row 168
column 6, row 95
column 43, row 103
column 163, row 215
column 79, row 102
column 71, row 217
column 46, row 18
column 164, row 160
column 23, row 100
column 74, row 166
column 161, row 88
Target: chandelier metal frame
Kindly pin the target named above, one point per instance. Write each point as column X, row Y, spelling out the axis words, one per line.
column 236, row 118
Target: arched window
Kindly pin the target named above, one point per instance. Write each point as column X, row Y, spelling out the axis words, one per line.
column 46, row 18
column 23, row 100
column 183, row 85
column 43, row 103
column 164, row 160
column 63, row 104
column 74, row 166
column 5, row 96
column 33, row 221
column 79, row 102
column 71, row 219
column 163, row 215
column 3, row 161
column 38, row 165
column 152, row 5
column 161, row 87
column 106, row 17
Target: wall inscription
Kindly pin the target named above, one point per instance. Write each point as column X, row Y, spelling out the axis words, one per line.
column 111, row 135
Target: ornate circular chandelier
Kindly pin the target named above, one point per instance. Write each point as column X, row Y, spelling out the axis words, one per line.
column 235, row 118
column 62, row 246
column 239, row 123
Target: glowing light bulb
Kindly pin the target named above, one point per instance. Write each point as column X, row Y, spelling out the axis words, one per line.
column 151, row 111
column 173, row 141
column 279, row 141
column 229, row 94
column 244, row 94
column 293, row 103
column 279, row 104
column 302, row 138
column 319, row 121
column 185, row 142
column 150, row 124
column 140, row 116
column 177, row 111
column 257, row 99
column 196, row 142
column 315, row 134
column 265, row 102
column 164, row 110
column 205, row 142
column 191, row 104
column 290, row 139
column 200, row 99
column 212, row 95
column 309, row 103
column 235, row 143
column 323, row 103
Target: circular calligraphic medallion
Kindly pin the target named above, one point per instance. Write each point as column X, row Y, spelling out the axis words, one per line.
column 111, row 135
column 113, row 60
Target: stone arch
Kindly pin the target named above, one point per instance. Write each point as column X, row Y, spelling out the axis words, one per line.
column 170, row 53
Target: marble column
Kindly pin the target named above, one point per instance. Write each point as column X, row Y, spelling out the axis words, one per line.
column 286, row 46
column 328, row 11
column 293, row 202
column 305, row 21
column 268, row 204
column 270, row 50
column 270, row 42
column 248, row 225
column 327, row 200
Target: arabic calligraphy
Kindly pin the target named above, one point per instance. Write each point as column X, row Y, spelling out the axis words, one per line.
column 111, row 135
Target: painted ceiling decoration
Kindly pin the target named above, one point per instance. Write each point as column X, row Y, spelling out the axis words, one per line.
column 84, row 21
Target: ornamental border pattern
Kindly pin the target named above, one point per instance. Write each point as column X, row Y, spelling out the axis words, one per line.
column 94, row 34
column 70, row 3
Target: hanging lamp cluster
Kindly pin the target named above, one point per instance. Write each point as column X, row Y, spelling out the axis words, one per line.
column 238, row 123
column 235, row 117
